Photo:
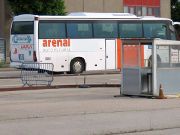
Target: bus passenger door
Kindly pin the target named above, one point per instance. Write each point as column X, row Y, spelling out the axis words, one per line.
column 110, row 54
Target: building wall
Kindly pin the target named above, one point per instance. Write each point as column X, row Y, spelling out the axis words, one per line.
column 5, row 24
column 94, row 5
column 2, row 18
column 165, row 9
column 142, row 7
column 74, row 5
column 115, row 5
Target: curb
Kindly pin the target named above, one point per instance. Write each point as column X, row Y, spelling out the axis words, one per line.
column 8, row 69
column 173, row 96
column 58, row 86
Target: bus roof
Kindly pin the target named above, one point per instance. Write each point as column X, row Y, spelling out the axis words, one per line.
column 176, row 23
column 89, row 14
column 86, row 16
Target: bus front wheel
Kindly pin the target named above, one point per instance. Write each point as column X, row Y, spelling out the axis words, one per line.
column 77, row 66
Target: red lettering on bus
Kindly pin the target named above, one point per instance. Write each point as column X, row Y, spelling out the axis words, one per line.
column 44, row 43
column 56, row 42
column 59, row 42
column 26, row 46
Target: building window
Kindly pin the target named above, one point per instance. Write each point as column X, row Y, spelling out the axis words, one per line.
column 126, row 10
column 139, row 11
column 142, row 7
column 132, row 10
column 144, row 11
column 156, row 11
column 150, row 11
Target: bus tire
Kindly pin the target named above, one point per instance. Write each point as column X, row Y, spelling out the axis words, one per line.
column 77, row 66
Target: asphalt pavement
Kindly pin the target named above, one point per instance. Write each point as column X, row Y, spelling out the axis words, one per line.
column 11, row 78
column 86, row 111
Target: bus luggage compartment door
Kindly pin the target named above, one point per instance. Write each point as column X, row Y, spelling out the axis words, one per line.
column 110, row 54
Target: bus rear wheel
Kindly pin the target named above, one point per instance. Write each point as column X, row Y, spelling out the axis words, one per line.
column 77, row 66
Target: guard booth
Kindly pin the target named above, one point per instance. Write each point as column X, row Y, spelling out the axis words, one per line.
column 148, row 63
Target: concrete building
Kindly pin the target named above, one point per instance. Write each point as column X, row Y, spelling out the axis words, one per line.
column 139, row 7
column 2, row 18
column 5, row 21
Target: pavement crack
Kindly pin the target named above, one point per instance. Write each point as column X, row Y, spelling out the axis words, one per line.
column 138, row 131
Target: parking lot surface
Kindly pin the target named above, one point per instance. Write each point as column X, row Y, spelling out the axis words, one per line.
column 85, row 111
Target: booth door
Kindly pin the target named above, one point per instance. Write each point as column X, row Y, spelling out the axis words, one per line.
column 131, row 72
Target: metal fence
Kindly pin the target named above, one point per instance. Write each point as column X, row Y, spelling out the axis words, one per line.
column 37, row 73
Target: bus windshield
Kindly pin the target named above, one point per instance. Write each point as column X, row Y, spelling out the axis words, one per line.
column 22, row 27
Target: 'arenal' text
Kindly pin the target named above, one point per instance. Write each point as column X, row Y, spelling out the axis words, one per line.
column 56, row 42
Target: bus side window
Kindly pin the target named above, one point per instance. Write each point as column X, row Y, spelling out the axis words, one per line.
column 105, row 30
column 51, row 30
column 155, row 30
column 130, row 30
column 79, row 30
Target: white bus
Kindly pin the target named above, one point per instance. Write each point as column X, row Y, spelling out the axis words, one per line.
column 80, row 41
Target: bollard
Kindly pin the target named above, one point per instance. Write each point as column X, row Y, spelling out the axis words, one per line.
column 84, row 85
